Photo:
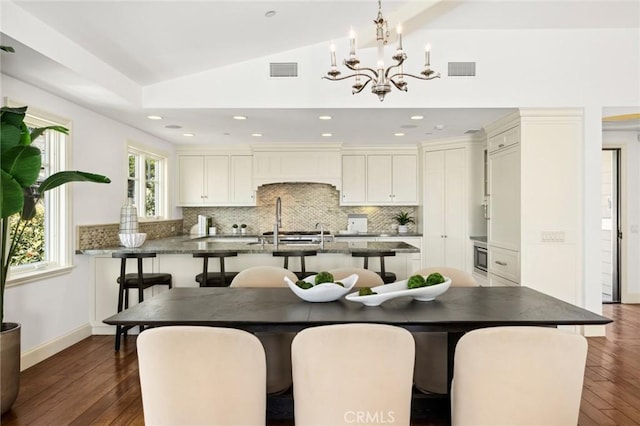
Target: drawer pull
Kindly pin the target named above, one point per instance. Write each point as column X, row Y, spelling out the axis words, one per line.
column 501, row 263
column 500, row 145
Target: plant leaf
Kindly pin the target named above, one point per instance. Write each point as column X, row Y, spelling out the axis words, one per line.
column 35, row 133
column 22, row 163
column 61, row 178
column 9, row 136
column 13, row 116
column 11, row 198
column 8, row 49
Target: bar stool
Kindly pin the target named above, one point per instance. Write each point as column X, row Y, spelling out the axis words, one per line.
column 215, row 279
column 303, row 273
column 387, row 277
column 136, row 281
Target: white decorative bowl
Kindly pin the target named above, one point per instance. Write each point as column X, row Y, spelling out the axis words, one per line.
column 132, row 240
column 400, row 289
column 325, row 292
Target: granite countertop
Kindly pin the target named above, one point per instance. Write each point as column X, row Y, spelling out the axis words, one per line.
column 377, row 234
column 188, row 244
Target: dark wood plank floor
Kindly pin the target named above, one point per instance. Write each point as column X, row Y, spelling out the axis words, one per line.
column 89, row 384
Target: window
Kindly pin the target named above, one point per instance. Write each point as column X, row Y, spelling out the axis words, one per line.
column 146, row 183
column 45, row 247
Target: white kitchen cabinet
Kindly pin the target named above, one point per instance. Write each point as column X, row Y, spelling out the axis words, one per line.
column 504, row 198
column 392, row 179
column 241, row 181
column 203, row 180
column 354, row 180
column 296, row 164
column 445, row 208
column 215, row 180
column 505, row 263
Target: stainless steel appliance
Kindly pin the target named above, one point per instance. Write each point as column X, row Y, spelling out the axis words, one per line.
column 480, row 257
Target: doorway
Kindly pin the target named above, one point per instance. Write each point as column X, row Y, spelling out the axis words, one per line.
column 611, row 235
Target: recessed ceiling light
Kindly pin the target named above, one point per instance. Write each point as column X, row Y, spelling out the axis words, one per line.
column 173, row 126
column 257, row 135
column 416, row 117
column 239, row 117
column 227, row 134
column 398, row 134
column 270, row 14
column 327, row 135
column 154, row 117
column 439, row 126
column 188, row 134
column 325, row 117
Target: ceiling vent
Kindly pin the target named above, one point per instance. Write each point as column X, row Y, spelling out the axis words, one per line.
column 283, row 69
column 462, row 69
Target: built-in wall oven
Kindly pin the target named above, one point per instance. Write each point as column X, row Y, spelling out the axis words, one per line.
column 480, row 257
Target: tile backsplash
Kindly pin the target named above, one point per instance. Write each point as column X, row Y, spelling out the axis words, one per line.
column 97, row 236
column 303, row 205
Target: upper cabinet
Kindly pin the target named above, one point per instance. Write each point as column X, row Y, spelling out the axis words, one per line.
column 274, row 164
column 379, row 179
column 215, row 180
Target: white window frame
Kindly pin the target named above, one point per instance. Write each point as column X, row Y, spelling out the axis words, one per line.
column 57, row 204
column 161, row 181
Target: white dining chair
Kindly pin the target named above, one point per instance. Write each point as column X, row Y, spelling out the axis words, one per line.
column 347, row 374
column 277, row 346
column 430, row 374
column 201, row 376
column 366, row 277
column 518, row 376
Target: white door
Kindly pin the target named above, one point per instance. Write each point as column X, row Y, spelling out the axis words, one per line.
column 405, row 179
column 434, row 208
column 191, row 180
column 379, row 175
column 217, row 179
column 354, row 184
column 454, row 207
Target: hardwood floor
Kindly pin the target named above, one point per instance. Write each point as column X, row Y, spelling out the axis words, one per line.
column 89, row 384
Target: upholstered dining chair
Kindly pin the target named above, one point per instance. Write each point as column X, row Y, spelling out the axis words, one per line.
column 518, row 376
column 201, row 375
column 366, row 277
column 277, row 346
column 334, row 384
column 430, row 374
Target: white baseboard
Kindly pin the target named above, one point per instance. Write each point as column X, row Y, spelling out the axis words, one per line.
column 44, row 351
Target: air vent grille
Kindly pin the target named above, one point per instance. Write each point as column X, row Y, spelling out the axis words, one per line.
column 283, row 69
column 462, row 69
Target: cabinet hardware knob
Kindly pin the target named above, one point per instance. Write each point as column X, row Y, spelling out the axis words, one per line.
column 500, row 145
column 501, row 263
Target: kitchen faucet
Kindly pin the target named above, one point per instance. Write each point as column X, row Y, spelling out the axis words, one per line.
column 321, row 234
column 278, row 224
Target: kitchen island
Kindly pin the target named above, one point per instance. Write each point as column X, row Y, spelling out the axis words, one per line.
column 175, row 256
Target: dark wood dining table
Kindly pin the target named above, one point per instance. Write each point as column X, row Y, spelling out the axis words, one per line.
column 459, row 310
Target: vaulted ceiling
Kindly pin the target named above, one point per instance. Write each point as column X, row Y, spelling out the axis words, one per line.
column 102, row 55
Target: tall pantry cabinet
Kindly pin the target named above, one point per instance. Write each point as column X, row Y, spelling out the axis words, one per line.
column 452, row 203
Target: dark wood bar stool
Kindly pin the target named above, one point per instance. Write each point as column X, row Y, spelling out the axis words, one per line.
column 136, row 281
column 387, row 277
column 303, row 273
column 215, row 279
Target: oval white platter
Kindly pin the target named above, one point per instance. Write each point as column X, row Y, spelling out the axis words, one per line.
column 399, row 289
column 326, row 292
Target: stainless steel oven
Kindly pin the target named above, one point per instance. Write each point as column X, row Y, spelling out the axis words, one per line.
column 480, row 258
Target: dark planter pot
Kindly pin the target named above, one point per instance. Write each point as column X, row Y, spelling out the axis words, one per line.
column 9, row 364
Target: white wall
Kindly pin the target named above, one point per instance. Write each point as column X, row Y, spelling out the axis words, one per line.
column 53, row 308
column 630, row 144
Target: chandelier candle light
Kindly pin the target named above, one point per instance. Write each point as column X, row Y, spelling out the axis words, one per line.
column 380, row 76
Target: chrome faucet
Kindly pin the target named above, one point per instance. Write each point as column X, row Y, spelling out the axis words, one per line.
column 278, row 224
column 321, row 234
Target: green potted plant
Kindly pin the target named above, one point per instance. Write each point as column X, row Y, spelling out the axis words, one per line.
column 20, row 162
column 403, row 219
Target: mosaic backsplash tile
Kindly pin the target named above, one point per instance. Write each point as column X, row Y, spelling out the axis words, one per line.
column 303, row 205
column 97, row 236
